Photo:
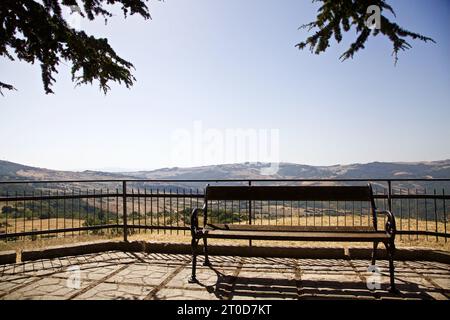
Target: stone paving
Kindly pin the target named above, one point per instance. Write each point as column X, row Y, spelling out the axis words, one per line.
column 125, row 275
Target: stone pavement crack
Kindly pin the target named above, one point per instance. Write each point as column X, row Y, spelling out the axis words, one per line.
column 38, row 277
column 362, row 277
column 234, row 279
column 19, row 287
column 137, row 257
column 151, row 295
column 431, row 281
column 298, row 279
column 96, row 283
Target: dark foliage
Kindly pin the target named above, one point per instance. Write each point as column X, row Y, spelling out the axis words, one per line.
column 37, row 32
column 337, row 16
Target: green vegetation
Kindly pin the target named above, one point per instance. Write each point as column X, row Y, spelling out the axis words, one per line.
column 222, row 216
column 54, row 209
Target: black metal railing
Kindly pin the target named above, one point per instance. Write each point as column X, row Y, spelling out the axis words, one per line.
column 45, row 209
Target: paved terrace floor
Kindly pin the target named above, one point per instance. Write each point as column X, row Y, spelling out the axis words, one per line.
column 124, row 275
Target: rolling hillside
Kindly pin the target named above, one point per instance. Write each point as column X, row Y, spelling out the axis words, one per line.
column 434, row 169
column 10, row 171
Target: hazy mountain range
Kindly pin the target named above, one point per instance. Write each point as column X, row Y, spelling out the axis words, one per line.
column 432, row 169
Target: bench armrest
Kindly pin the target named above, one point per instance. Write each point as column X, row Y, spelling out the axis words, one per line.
column 194, row 219
column 390, row 226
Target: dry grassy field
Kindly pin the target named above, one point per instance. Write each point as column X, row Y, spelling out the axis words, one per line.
column 166, row 212
column 23, row 225
column 184, row 236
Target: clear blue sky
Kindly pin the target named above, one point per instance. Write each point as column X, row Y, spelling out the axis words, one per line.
column 233, row 64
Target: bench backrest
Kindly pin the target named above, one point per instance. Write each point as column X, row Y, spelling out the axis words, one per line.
column 292, row 193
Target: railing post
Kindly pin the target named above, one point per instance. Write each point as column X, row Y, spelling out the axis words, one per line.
column 249, row 206
column 250, row 212
column 445, row 214
column 124, row 210
column 390, row 195
column 435, row 215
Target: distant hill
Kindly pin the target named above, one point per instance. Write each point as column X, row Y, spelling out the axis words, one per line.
column 432, row 169
column 10, row 171
column 15, row 171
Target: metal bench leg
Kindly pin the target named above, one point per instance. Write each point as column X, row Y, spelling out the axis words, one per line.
column 374, row 253
column 390, row 251
column 194, row 244
column 205, row 251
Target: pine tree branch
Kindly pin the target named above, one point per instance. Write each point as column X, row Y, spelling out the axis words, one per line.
column 336, row 14
column 37, row 32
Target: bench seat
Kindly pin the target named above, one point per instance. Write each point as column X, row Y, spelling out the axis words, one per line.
column 256, row 227
column 289, row 233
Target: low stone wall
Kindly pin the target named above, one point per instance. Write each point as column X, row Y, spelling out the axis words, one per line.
column 402, row 254
column 7, row 257
column 225, row 250
column 69, row 250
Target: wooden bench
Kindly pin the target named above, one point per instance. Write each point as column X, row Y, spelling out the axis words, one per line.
column 293, row 233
